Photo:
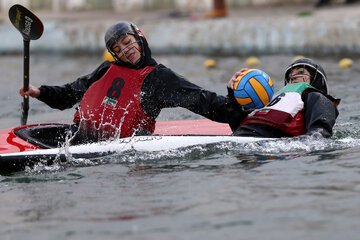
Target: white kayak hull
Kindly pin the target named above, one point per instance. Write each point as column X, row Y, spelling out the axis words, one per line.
column 137, row 143
column 19, row 152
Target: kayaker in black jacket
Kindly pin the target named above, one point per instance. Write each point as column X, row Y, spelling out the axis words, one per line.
column 303, row 106
column 123, row 98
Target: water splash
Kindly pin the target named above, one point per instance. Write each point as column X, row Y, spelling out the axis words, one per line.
column 278, row 147
column 264, row 150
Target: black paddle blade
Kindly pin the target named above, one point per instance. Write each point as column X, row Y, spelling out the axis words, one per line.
column 26, row 22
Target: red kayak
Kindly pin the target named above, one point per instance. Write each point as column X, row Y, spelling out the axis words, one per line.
column 51, row 135
column 27, row 145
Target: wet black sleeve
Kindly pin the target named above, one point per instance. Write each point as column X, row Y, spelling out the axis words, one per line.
column 320, row 114
column 164, row 88
column 66, row 96
column 237, row 111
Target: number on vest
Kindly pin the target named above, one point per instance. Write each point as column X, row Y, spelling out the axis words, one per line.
column 276, row 100
column 115, row 89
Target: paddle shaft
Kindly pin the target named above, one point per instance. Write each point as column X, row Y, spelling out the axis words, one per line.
column 31, row 28
column 25, row 103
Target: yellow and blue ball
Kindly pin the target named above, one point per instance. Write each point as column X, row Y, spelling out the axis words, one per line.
column 253, row 89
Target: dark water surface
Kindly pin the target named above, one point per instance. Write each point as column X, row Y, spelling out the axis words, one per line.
column 285, row 189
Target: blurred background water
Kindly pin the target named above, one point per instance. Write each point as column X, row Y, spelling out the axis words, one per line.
column 284, row 189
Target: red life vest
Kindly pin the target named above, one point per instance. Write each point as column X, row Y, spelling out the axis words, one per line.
column 111, row 107
column 284, row 112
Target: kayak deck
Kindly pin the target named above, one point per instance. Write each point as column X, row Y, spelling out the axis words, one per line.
column 192, row 127
column 26, row 145
column 52, row 135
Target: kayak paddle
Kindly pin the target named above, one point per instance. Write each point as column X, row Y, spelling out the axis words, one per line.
column 31, row 28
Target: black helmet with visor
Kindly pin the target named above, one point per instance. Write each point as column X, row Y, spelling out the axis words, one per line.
column 318, row 77
column 118, row 30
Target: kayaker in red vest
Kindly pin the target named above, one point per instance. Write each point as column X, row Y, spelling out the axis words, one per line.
column 123, row 98
column 303, row 106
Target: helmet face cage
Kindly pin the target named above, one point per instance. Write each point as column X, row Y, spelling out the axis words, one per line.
column 117, row 31
column 308, row 67
column 316, row 72
column 122, row 51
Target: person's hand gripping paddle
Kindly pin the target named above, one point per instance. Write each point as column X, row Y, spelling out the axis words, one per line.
column 31, row 28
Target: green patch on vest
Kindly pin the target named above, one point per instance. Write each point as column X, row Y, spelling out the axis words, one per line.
column 109, row 101
column 295, row 87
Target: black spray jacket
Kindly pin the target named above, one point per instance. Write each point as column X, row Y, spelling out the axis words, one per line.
column 162, row 88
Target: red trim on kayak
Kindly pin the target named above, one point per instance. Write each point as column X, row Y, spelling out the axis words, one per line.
column 10, row 143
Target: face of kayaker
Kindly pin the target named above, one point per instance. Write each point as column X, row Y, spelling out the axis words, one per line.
column 299, row 75
column 127, row 49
